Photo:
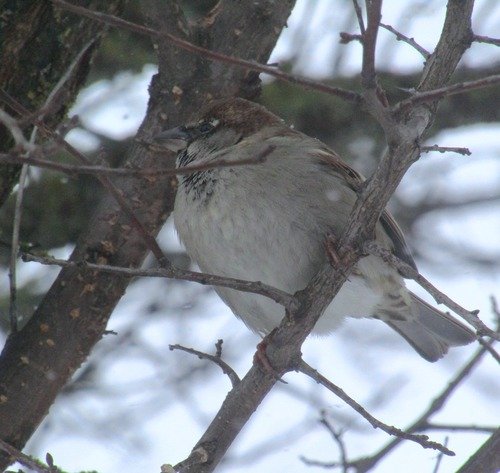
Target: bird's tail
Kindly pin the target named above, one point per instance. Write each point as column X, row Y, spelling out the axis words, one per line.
column 431, row 332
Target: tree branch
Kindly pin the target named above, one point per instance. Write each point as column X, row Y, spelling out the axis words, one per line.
column 405, row 39
column 347, row 95
column 226, row 369
column 253, row 287
column 374, row 15
column 103, row 179
column 364, row 465
column 25, row 460
column 460, row 88
column 486, row 39
column 75, row 310
column 486, row 459
column 283, row 350
column 73, row 169
column 410, row 273
column 423, row 440
column 446, row 149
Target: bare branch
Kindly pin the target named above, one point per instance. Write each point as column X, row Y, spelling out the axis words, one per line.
column 373, row 13
column 57, row 95
column 25, row 460
column 406, row 39
column 105, row 170
column 150, row 240
column 13, row 126
column 172, row 272
column 16, row 226
column 346, row 38
column 459, row 88
column 365, row 464
column 337, row 436
column 446, row 149
column 226, row 369
column 459, row 428
column 344, row 94
column 439, row 458
column 53, row 101
column 408, row 272
column 486, row 459
column 423, row 440
column 283, row 351
column 486, row 39
column 359, row 16
column 489, row 347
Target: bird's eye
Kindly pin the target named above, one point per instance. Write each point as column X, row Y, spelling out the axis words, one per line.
column 205, row 127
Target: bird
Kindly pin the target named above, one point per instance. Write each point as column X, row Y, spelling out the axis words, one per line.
column 268, row 222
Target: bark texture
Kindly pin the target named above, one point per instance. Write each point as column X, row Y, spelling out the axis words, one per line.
column 37, row 361
column 37, row 45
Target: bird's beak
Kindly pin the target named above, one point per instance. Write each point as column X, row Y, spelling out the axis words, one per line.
column 174, row 139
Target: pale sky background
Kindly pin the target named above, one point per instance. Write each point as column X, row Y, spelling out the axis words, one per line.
column 363, row 357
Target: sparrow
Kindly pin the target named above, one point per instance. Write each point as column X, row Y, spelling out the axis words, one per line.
column 268, row 222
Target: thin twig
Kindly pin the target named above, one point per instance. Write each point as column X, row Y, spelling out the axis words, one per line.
column 459, row 88
column 226, row 369
column 255, row 287
column 13, row 126
column 97, row 170
column 346, row 38
column 459, row 428
column 406, row 39
column 52, row 101
column 25, row 460
column 326, row 465
column 365, row 464
column 439, row 457
column 359, row 16
column 446, row 149
column 410, row 273
column 337, row 436
column 347, row 95
column 486, row 39
column 117, row 194
column 14, row 252
column 489, row 347
column 57, row 95
column 423, row 440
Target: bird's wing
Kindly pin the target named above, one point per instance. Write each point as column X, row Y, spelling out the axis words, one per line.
column 355, row 181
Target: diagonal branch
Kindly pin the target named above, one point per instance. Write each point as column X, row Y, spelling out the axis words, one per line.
column 75, row 311
column 283, row 349
column 410, row 273
column 344, row 94
column 423, row 440
column 104, row 179
column 366, row 464
column 407, row 40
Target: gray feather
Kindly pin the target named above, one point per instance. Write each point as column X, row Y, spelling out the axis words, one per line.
column 431, row 332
